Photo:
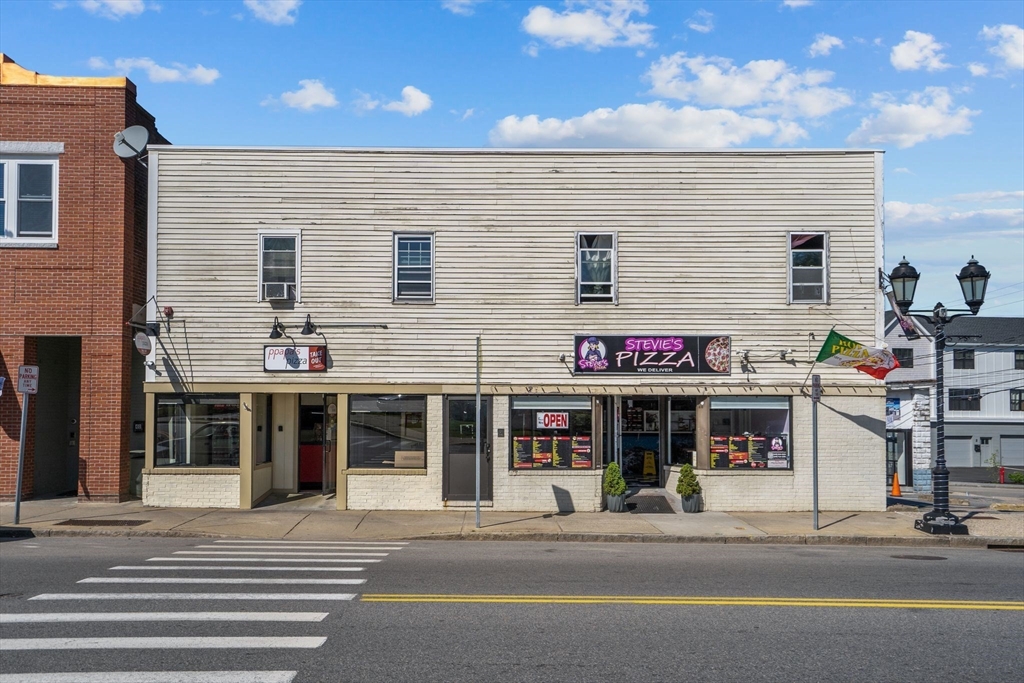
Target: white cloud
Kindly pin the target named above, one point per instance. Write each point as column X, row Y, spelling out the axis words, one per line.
column 902, row 169
column 926, row 115
column 796, row 4
column 977, row 69
column 641, row 125
column 823, row 44
column 702, row 21
column 312, row 95
column 277, row 12
column 903, row 214
column 176, row 73
column 989, row 196
column 531, row 49
column 365, row 103
column 1009, row 46
column 59, row 4
column 601, row 23
column 770, row 85
column 414, row 102
column 918, row 50
column 114, row 9
column 463, row 7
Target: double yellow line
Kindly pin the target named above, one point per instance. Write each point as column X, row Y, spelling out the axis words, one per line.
column 872, row 603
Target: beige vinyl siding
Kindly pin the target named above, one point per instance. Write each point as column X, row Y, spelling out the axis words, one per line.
column 702, row 248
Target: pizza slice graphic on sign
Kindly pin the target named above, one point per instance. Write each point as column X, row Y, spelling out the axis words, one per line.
column 717, row 354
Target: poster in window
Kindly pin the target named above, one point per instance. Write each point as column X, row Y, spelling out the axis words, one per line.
column 581, row 451
column 758, row 448
column 561, row 451
column 522, row 452
column 652, row 421
column 720, row 452
column 542, row 451
column 778, row 452
column 739, row 456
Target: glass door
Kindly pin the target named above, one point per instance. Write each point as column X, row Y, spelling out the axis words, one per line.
column 640, row 440
column 330, row 459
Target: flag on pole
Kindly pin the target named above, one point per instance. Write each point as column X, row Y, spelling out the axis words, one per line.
column 846, row 353
column 906, row 324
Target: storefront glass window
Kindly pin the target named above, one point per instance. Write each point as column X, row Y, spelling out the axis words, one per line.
column 750, row 433
column 682, row 418
column 551, row 433
column 200, row 430
column 387, row 431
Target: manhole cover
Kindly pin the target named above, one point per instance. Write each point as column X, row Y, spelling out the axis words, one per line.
column 917, row 557
column 648, row 505
column 102, row 522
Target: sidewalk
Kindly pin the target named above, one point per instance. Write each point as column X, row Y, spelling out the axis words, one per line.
column 313, row 518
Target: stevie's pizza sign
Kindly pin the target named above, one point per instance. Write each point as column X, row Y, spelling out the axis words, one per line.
column 653, row 354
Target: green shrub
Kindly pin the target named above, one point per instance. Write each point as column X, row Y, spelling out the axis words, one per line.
column 614, row 484
column 1016, row 477
column 688, row 484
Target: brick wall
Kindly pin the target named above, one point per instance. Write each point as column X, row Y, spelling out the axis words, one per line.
column 192, row 490
column 85, row 287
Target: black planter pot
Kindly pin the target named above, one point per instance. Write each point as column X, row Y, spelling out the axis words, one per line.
column 616, row 503
column 691, row 503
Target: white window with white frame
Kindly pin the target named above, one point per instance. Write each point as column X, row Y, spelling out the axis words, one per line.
column 596, row 267
column 414, row 267
column 28, row 200
column 280, row 262
column 808, row 268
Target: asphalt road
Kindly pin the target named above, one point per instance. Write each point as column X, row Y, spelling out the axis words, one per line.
column 473, row 611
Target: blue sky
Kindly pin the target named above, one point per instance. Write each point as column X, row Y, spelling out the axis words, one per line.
column 938, row 86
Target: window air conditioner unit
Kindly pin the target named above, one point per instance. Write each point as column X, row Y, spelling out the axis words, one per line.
column 276, row 291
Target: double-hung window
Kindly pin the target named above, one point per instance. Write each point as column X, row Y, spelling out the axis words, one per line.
column 965, row 399
column 808, row 267
column 414, row 267
column 596, row 268
column 28, row 199
column 905, row 357
column 1016, row 398
column 963, row 359
column 280, row 259
column 1018, row 360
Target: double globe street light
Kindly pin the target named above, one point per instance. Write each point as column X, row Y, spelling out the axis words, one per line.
column 973, row 281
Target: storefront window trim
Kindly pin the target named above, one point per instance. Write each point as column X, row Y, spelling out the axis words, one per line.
column 382, row 401
column 223, row 436
column 548, row 447
column 774, row 440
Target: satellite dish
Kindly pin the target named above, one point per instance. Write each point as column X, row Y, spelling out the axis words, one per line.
column 131, row 141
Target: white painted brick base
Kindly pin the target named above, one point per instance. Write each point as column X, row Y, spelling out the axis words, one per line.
column 191, row 490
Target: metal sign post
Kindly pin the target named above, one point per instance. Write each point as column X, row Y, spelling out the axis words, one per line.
column 477, row 431
column 28, row 384
column 815, row 399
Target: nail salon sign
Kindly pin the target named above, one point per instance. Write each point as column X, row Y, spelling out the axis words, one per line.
column 294, row 358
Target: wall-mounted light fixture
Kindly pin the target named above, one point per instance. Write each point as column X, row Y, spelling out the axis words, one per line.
column 277, row 330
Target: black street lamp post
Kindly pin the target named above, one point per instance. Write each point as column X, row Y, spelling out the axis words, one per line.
column 973, row 280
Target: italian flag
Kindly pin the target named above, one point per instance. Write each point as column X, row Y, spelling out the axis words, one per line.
column 846, row 353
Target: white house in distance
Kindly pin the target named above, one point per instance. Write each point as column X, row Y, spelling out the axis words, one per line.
column 984, row 384
column 320, row 310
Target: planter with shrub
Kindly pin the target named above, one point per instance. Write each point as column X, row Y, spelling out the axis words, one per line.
column 614, row 487
column 688, row 489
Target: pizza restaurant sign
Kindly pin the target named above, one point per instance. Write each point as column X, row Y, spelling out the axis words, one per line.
column 653, row 354
column 294, row 358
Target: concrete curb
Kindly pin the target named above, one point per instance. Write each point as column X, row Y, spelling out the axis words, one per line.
column 922, row 541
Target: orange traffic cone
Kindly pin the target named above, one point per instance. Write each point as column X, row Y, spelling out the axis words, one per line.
column 896, row 485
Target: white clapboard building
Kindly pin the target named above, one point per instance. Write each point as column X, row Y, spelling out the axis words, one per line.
column 320, row 309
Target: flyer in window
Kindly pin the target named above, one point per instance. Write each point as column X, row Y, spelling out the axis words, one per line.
column 561, row 451
column 738, row 454
column 720, row 452
column 522, row 452
column 542, row 451
column 778, row 452
column 758, row 448
column 581, row 452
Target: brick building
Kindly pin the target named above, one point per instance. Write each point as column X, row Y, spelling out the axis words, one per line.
column 73, row 268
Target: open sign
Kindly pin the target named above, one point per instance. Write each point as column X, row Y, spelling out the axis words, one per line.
column 552, row 420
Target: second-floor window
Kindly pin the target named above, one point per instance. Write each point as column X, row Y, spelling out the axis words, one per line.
column 414, row 267
column 1016, row 398
column 279, row 267
column 1018, row 360
column 963, row 359
column 808, row 267
column 596, row 268
column 28, row 199
column 964, row 399
column 905, row 357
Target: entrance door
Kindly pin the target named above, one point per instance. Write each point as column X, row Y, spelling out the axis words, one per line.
column 330, row 443
column 898, row 456
column 640, row 436
column 311, row 441
column 460, row 449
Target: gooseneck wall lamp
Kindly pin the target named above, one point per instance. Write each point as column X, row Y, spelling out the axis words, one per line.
column 278, row 329
column 973, row 280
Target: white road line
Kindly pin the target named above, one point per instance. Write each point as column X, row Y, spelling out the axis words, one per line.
column 194, row 596
column 74, row 617
column 266, row 552
column 180, row 567
column 154, row 677
column 300, row 547
column 255, row 559
column 327, row 543
column 261, row 581
column 186, row 643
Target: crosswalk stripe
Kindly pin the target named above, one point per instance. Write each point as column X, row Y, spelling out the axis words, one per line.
column 263, row 546
column 259, row 559
column 162, row 643
column 326, row 543
column 180, row 567
column 154, row 677
column 245, row 581
column 194, row 596
column 276, row 552
column 75, row 617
